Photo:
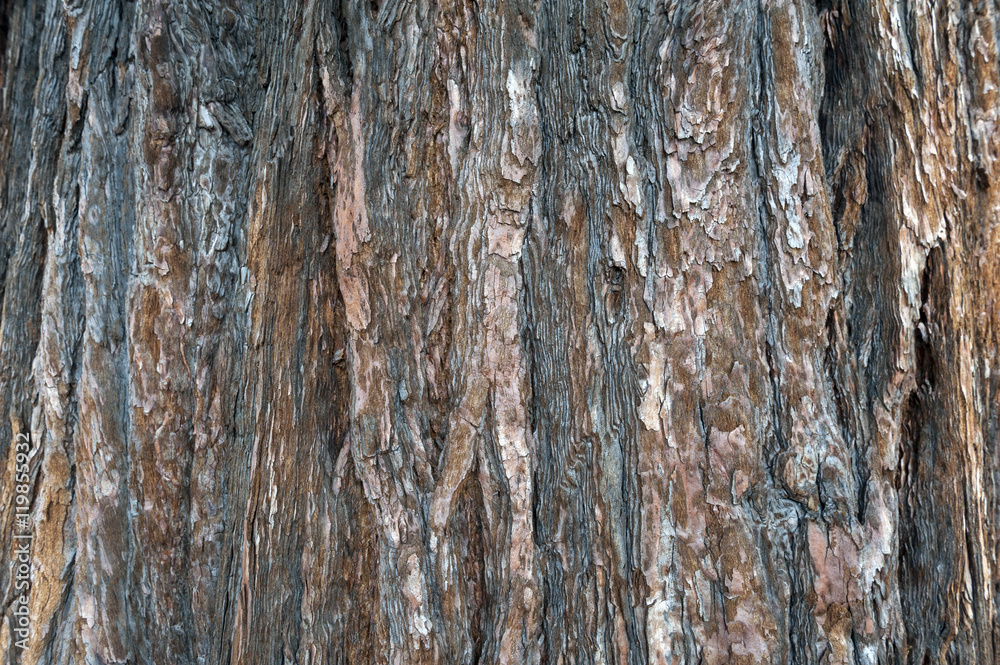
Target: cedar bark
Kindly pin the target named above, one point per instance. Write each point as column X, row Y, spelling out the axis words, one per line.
column 459, row 331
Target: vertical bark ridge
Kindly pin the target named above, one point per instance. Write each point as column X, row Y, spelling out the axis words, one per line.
column 38, row 257
column 97, row 102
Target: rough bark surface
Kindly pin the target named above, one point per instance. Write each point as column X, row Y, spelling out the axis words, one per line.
column 460, row 331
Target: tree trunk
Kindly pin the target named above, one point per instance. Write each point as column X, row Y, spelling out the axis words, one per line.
column 615, row 331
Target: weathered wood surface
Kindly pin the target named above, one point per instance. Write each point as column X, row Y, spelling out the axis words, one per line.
column 617, row 331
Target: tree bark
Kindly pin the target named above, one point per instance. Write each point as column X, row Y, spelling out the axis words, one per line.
column 618, row 331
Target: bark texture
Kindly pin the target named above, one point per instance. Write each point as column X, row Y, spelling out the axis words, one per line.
column 469, row 331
